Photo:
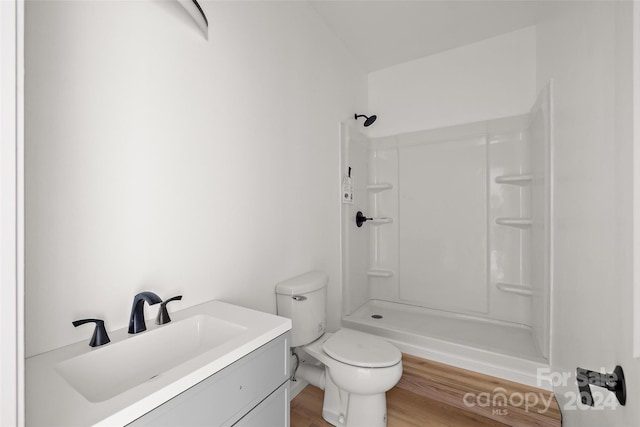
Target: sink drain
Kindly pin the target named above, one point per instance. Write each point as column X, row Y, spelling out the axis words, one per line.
column 376, row 316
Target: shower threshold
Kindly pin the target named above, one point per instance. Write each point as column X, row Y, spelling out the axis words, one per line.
column 502, row 349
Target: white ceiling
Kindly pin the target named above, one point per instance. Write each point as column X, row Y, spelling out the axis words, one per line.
column 382, row 33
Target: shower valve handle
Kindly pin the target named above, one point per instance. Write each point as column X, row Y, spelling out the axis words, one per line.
column 361, row 219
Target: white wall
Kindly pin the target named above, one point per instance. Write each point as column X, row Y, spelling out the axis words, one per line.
column 489, row 79
column 586, row 49
column 156, row 160
column 11, row 236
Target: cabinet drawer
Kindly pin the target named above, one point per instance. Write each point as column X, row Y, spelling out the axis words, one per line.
column 271, row 412
column 223, row 398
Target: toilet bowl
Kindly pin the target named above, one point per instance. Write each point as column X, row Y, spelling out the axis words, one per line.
column 355, row 388
column 354, row 369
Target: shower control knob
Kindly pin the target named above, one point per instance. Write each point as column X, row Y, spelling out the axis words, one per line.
column 361, row 219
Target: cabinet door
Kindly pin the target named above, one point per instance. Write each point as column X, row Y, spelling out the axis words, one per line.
column 225, row 397
column 271, row 412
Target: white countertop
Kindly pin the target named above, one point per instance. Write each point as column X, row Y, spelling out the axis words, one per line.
column 51, row 401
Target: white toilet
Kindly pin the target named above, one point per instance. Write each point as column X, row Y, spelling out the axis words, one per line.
column 356, row 368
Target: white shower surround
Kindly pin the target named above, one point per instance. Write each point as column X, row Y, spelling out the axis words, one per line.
column 461, row 271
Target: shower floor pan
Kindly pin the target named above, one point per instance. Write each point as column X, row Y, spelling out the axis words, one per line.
column 501, row 349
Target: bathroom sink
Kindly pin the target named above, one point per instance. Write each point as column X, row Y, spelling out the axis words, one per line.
column 110, row 370
column 117, row 383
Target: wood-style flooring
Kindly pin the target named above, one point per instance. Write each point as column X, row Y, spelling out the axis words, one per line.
column 432, row 394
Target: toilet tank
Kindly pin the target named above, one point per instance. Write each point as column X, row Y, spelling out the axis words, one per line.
column 303, row 299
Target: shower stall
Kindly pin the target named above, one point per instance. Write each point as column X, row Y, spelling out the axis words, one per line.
column 454, row 263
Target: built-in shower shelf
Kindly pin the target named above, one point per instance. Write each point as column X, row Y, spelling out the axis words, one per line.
column 515, row 222
column 379, row 273
column 378, row 221
column 374, row 188
column 515, row 289
column 522, row 179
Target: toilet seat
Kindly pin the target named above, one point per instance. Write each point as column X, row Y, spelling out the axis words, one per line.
column 359, row 349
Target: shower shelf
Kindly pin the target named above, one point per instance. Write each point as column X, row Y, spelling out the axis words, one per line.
column 379, row 273
column 515, row 222
column 523, row 179
column 515, row 289
column 378, row 221
column 374, row 188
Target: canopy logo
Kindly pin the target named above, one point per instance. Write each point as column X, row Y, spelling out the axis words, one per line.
column 499, row 400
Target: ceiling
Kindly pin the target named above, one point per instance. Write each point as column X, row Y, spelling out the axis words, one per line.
column 382, row 33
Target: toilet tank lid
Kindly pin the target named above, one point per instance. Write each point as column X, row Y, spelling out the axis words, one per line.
column 360, row 349
column 303, row 284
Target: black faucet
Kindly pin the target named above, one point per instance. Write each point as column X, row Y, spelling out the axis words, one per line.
column 136, row 322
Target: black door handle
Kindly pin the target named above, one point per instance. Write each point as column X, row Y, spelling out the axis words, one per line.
column 613, row 382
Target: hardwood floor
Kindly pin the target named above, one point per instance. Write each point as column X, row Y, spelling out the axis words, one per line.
column 432, row 394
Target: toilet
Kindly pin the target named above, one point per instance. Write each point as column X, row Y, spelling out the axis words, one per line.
column 354, row 369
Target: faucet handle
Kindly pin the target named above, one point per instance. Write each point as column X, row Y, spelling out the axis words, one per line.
column 100, row 336
column 163, row 314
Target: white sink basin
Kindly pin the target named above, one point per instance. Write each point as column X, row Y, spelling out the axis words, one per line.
column 115, row 384
column 109, row 370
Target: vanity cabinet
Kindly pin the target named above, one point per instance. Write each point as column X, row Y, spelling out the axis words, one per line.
column 251, row 392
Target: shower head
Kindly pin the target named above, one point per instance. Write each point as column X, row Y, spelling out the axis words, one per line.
column 368, row 120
